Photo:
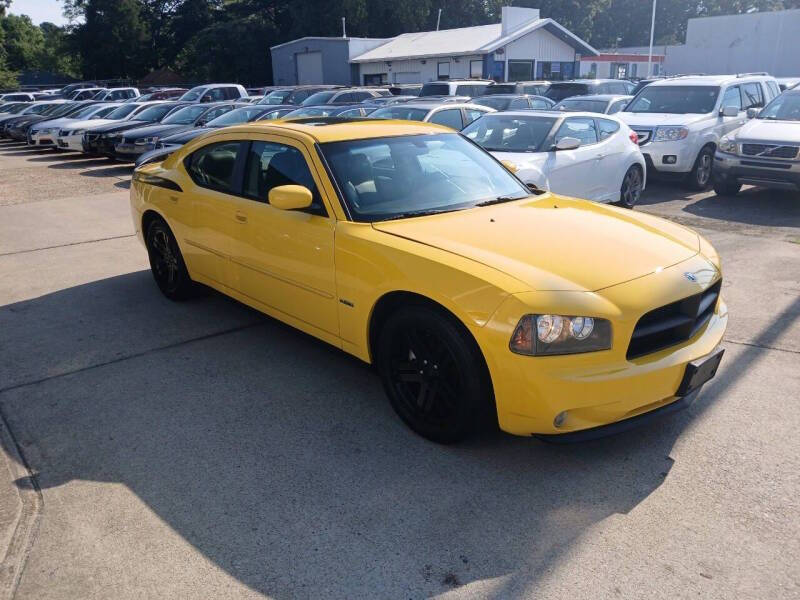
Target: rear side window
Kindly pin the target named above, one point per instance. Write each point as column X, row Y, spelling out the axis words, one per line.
column 471, row 114
column 214, row 95
column 617, row 88
column 213, row 166
column 271, row 165
column 773, row 88
column 752, row 96
column 606, row 128
column 520, row 103
column 538, row 103
column 617, row 106
column 231, row 93
column 359, row 96
column 578, row 127
column 536, row 90
column 449, row 118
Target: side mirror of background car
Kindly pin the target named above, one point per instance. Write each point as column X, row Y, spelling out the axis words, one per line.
column 290, row 197
column 753, row 112
column 729, row 111
column 568, row 143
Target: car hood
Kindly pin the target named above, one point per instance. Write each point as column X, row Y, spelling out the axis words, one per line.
column 186, row 136
column 522, row 158
column 52, row 123
column 659, row 118
column 552, row 243
column 762, row 130
column 116, row 125
column 155, row 129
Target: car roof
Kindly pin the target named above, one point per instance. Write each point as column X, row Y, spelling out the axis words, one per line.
column 551, row 113
column 322, row 130
column 604, row 97
column 710, row 80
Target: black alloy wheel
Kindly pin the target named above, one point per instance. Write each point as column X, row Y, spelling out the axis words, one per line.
column 166, row 262
column 433, row 374
column 631, row 189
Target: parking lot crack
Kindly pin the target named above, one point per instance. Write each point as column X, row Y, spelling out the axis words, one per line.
column 130, row 356
column 762, row 346
column 106, row 239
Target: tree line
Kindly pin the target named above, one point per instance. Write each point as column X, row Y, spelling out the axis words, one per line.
column 229, row 40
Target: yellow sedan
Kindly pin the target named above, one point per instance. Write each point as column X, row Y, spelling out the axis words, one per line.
column 478, row 301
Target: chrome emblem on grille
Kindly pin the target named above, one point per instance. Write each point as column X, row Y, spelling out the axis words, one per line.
column 690, row 276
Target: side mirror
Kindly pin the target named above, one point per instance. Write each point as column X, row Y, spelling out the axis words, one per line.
column 729, row 111
column 752, row 113
column 290, row 197
column 568, row 143
column 509, row 165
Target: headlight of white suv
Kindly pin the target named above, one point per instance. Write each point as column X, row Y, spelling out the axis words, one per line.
column 670, row 134
column 726, row 144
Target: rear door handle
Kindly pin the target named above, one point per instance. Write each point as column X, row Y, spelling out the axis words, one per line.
column 241, row 217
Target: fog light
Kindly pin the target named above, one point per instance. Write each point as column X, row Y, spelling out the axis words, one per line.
column 670, row 159
column 560, row 418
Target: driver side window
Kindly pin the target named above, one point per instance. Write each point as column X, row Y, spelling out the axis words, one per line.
column 213, row 166
column 581, row 128
column 732, row 97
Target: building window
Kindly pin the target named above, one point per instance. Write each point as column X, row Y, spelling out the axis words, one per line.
column 619, row 71
column 443, row 70
column 555, row 71
column 476, row 68
column 593, row 71
column 520, row 70
column 656, row 69
column 376, row 79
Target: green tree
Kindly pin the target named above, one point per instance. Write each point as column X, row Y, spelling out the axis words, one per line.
column 23, row 42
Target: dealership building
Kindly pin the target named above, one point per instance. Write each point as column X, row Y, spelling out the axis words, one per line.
column 521, row 47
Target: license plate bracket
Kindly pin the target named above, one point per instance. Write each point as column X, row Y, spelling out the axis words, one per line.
column 699, row 372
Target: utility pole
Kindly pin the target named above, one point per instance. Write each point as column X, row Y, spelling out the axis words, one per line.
column 652, row 31
column 438, row 18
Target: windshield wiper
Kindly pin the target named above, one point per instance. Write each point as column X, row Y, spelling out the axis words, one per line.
column 499, row 200
column 420, row 213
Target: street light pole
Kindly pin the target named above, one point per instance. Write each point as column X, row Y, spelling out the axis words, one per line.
column 652, row 31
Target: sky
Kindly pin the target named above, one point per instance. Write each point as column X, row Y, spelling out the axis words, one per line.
column 39, row 10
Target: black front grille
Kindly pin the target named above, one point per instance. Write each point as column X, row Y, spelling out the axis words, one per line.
column 673, row 323
column 769, row 150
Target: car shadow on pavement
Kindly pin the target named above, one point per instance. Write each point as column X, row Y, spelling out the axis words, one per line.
column 279, row 458
column 93, row 161
column 62, row 156
column 657, row 192
column 112, row 171
column 751, row 206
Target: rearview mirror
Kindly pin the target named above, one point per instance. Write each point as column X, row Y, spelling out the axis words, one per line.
column 752, row 113
column 290, row 197
column 568, row 143
column 730, row 111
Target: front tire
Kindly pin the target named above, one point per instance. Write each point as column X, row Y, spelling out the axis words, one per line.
column 434, row 374
column 631, row 190
column 166, row 261
column 700, row 176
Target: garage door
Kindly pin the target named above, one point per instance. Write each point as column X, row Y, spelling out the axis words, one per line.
column 309, row 68
column 408, row 77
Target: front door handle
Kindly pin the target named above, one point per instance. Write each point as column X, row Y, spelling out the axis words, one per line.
column 241, row 217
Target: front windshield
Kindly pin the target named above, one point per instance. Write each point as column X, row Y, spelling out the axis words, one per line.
column 785, row 107
column 402, row 113
column 234, row 117
column 495, row 103
column 154, row 113
column 185, row 116
column 193, row 94
column 318, row 98
column 395, row 177
column 435, row 89
column 509, row 133
column 63, row 109
column 675, row 99
column 121, row 112
column 39, row 109
column 276, row 97
column 578, row 105
column 89, row 111
column 17, row 109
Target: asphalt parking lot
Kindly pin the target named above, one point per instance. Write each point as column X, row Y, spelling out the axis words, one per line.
column 202, row 450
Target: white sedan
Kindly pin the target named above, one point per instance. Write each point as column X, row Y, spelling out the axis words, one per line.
column 584, row 155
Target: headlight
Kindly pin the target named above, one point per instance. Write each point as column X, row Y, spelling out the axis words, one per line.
column 726, row 144
column 148, row 140
column 537, row 335
column 76, row 132
column 670, row 134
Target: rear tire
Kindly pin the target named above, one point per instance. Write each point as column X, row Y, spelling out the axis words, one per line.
column 700, row 176
column 631, row 190
column 727, row 188
column 166, row 262
column 434, row 374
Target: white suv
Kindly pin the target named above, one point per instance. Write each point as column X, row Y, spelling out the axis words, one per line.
column 680, row 120
column 456, row 87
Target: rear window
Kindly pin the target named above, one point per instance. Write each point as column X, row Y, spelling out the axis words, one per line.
column 318, row 98
column 576, row 105
column 495, row 103
column 402, row 113
column 559, row 91
column 435, row 89
column 503, row 88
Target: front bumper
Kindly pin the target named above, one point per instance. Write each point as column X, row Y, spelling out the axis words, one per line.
column 130, row 152
column 42, row 138
column 597, row 388
column 658, row 155
column 70, row 142
column 766, row 172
